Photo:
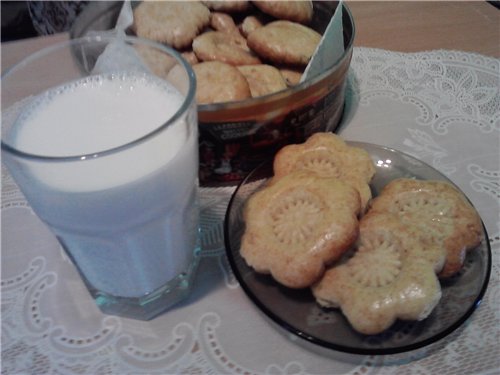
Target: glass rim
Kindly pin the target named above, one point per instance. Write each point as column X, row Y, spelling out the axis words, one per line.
column 102, row 38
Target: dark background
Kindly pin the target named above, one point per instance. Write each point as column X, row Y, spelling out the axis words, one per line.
column 16, row 21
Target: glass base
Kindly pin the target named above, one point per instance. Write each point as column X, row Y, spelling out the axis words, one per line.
column 148, row 306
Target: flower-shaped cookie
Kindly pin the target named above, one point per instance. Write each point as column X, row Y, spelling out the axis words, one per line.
column 329, row 156
column 392, row 275
column 439, row 211
column 297, row 225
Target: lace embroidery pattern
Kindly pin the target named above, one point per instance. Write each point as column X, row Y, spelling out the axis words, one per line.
column 442, row 107
column 452, row 97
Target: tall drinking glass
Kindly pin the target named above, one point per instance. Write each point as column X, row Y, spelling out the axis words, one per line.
column 100, row 134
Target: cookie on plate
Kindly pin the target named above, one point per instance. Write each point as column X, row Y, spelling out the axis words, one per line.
column 441, row 212
column 175, row 23
column 263, row 79
column 219, row 82
column 224, row 47
column 327, row 155
column 392, row 275
column 298, row 225
column 284, row 42
column 297, row 11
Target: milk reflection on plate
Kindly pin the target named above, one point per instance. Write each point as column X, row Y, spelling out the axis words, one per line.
column 297, row 312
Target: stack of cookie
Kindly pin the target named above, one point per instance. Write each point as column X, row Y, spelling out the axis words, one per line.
column 238, row 49
column 316, row 225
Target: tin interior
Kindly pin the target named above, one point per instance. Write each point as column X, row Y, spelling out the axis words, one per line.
column 332, row 76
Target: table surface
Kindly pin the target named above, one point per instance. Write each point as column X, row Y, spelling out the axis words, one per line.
column 411, row 26
column 437, row 115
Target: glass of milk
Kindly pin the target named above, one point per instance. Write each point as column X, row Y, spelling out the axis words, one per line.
column 100, row 134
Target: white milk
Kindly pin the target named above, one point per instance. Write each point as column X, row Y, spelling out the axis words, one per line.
column 97, row 114
column 128, row 219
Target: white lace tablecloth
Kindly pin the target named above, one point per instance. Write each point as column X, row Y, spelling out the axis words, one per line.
column 442, row 107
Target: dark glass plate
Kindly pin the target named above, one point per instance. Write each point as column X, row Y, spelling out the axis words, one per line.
column 296, row 310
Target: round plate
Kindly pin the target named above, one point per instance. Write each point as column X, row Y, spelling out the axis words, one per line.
column 296, row 310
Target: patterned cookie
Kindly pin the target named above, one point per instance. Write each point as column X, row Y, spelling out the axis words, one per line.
column 219, row 82
column 229, row 6
column 284, row 42
column 329, row 156
column 175, row 23
column 224, row 47
column 298, row 225
column 392, row 275
column 263, row 79
column 296, row 11
column 440, row 211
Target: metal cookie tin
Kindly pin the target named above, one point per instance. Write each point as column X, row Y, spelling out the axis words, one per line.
column 235, row 137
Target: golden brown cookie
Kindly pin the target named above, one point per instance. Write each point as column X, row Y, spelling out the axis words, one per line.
column 292, row 76
column 284, row 42
column 190, row 57
column 298, row 225
column 175, row 23
column 224, row 22
column 227, row 5
column 440, row 211
column 296, row 11
column 392, row 275
column 177, row 77
column 263, row 79
column 157, row 61
column 249, row 24
column 329, row 156
column 219, row 82
column 224, row 47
